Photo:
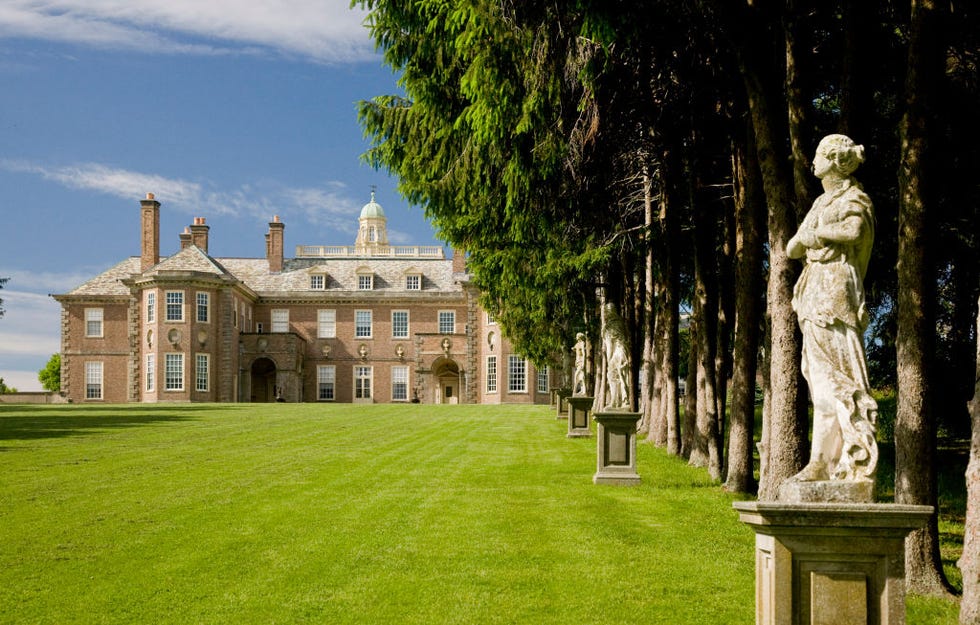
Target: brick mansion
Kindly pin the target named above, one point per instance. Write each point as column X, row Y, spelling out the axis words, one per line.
column 369, row 322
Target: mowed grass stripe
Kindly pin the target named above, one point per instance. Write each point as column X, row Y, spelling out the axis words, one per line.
column 351, row 514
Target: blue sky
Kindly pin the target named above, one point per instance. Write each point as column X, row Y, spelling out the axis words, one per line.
column 231, row 110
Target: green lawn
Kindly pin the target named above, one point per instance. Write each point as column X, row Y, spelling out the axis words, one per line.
column 355, row 514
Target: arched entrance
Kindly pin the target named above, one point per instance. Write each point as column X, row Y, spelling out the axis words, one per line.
column 263, row 380
column 446, row 374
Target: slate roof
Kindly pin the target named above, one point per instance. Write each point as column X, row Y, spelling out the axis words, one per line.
column 342, row 273
column 109, row 282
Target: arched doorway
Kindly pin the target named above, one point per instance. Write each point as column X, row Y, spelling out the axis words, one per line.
column 263, row 380
column 446, row 374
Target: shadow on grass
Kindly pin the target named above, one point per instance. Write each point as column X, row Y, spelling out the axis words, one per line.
column 33, row 423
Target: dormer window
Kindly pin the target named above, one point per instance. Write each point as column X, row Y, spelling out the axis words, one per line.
column 413, row 282
column 365, row 281
column 318, row 282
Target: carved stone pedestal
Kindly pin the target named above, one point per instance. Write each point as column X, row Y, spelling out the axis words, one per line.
column 578, row 416
column 830, row 563
column 561, row 405
column 616, row 448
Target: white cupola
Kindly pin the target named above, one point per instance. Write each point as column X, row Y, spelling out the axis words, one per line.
column 372, row 232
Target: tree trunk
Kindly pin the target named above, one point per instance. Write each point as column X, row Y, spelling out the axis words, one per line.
column 749, row 204
column 689, row 429
column 670, row 319
column 726, row 321
column 915, row 424
column 970, row 561
column 785, row 434
column 704, row 452
column 649, row 398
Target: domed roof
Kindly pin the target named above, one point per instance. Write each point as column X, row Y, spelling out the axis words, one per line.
column 372, row 209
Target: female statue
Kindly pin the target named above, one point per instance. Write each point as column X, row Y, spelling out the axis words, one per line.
column 834, row 242
column 615, row 349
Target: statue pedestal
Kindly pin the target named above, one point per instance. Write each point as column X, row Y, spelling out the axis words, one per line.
column 578, row 416
column 561, row 405
column 830, row 563
column 616, row 448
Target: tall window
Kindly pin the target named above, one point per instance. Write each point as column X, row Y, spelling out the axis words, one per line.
column 151, row 307
column 365, row 281
column 318, row 282
column 93, row 322
column 201, row 373
column 93, row 380
column 362, row 382
column 280, row 320
column 203, row 306
column 362, row 324
column 399, row 324
column 326, row 324
column 399, row 383
column 516, row 374
column 174, row 372
column 491, row 374
column 175, row 305
column 325, row 379
column 413, row 282
column 151, row 372
column 543, row 380
column 447, row 322
column 491, row 320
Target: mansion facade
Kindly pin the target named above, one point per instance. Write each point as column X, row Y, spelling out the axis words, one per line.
column 372, row 322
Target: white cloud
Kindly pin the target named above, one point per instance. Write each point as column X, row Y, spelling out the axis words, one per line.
column 328, row 205
column 327, row 32
column 39, row 283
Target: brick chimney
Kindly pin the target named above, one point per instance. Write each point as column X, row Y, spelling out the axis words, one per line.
column 459, row 261
column 149, row 232
column 185, row 238
column 273, row 244
column 199, row 234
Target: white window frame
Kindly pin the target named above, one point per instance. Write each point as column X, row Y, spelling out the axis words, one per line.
column 491, row 319
column 360, row 330
column 318, row 282
column 450, row 316
column 94, row 316
column 542, row 386
column 516, row 374
column 326, row 382
column 151, row 372
column 94, row 378
column 173, row 372
column 399, row 383
column 202, row 373
column 326, row 323
column 151, row 307
column 278, row 325
column 363, row 382
column 394, row 327
column 491, row 374
column 413, row 282
column 258, row 327
column 174, row 304
column 365, row 282
column 203, row 302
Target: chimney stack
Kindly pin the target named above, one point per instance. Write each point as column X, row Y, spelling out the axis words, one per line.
column 274, row 243
column 459, row 261
column 185, row 238
column 149, row 232
column 199, row 234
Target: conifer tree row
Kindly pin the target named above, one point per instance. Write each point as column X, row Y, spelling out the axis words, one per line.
column 656, row 155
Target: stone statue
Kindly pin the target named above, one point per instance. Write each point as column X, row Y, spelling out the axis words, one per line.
column 834, row 242
column 614, row 347
column 578, row 375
